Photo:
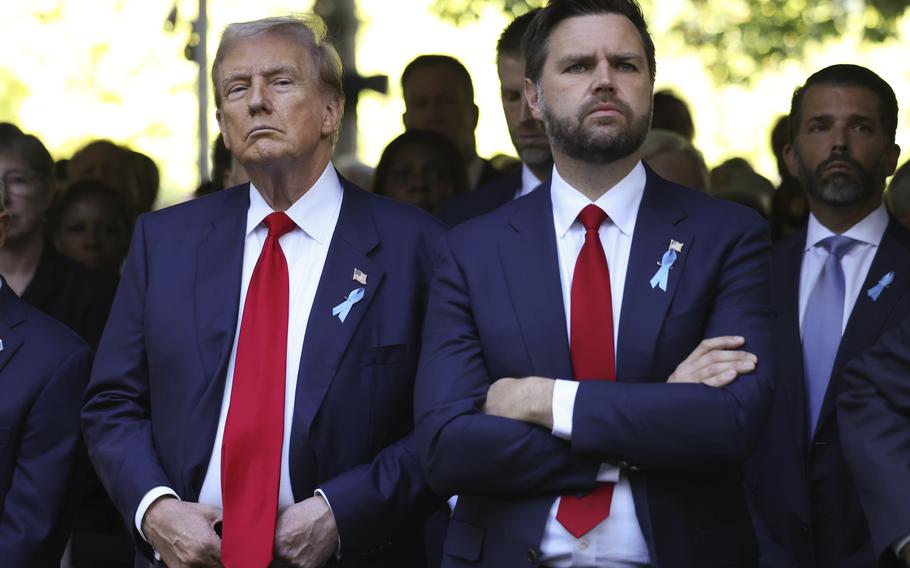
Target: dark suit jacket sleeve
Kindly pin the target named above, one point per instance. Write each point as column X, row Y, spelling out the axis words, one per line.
column 463, row 450
column 679, row 426
column 115, row 417
column 874, row 422
column 40, row 498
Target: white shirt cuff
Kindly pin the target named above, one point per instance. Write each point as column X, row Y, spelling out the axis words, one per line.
column 563, row 407
column 326, row 499
column 145, row 503
column 900, row 545
column 608, row 472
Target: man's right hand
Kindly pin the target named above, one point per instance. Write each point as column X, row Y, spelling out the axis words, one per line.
column 183, row 532
column 716, row 362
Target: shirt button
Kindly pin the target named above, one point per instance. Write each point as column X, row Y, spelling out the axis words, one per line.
column 583, row 545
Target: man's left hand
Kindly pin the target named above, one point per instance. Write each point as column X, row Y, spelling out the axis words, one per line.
column 306, row 534
column 529, row 399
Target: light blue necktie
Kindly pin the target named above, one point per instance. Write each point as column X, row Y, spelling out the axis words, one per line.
column 822, row 325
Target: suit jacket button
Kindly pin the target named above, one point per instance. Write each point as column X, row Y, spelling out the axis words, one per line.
column 623, row 464
column 533, row 556
column 804, row 527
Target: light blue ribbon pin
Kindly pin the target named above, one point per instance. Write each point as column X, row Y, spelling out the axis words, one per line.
column 342, row 309
column 666, row 263
column 876, row 291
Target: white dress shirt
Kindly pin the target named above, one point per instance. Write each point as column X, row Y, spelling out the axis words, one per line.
column 855, row 262
column 617, row 542
column 528, row 181
column 305, row 248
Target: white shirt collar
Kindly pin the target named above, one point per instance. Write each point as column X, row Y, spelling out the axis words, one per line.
column 311, row 212
column 528, row 180
column 869, row 230
column 619, row 203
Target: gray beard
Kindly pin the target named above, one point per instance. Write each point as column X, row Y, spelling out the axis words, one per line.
column 840, row 190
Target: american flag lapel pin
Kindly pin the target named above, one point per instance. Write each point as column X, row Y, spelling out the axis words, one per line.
column 360, row 277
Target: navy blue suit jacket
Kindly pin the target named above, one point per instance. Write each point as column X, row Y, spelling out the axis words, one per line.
column 807, row 510
column 43, row 371
column 158, row 381
column 496, row 310
column 874, row 422
column 459, row 208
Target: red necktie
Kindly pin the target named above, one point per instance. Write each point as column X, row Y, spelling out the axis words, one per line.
column 253, row 432
column 592, row 356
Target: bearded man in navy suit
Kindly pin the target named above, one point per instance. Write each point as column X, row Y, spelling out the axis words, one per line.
column 254, row 381
column 839, row 284
column 644, row 291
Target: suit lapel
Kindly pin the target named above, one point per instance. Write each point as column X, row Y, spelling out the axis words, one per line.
column 327, row 337
column 644, row 307
column 790, row 376
column 531, row 268
column 219, row 268
column 11, row 315
column 869, row 316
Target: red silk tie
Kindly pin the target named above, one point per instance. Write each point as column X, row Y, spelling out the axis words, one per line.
column 592, row 356
column 253, row 431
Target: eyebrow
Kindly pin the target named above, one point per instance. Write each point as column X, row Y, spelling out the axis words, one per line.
column 612, row 57
column 268, row 72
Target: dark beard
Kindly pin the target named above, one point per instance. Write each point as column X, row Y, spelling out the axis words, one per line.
column 840, row 190
column 569, row 135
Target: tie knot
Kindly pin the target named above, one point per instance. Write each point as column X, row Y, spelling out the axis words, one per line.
column 591, row 217
column 279, row 224
column 837, row 245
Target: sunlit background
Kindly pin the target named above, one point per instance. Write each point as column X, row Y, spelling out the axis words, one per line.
column 77, row 70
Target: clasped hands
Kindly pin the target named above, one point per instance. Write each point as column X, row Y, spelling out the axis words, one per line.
column 715, row 362
column 183, row 533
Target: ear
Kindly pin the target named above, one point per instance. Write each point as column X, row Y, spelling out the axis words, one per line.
column 405, row 119
column 890, row 158
column 530, row 93
column 791, row 159
column 331, row 118
column 475, row 115
column 219, row 116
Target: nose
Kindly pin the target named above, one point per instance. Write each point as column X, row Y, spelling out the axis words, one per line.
column 602, row 77
column 840, row 139
column 260, row 98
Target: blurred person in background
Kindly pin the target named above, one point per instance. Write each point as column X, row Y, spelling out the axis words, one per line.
column 673, row 114
column 113, row 165
column 34, row 270
column 43, row 370
column 90, row 224
column 527, row 134
column 898, row 195
column 147, row 179
column 675, row 159
column 439, row 95
column 420, row 167
column 735, row 180
column 789, row 207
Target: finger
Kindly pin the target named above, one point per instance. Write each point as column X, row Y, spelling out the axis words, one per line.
column 715, row 357
column 717, row 369
column 721, row 380
column 713, row 343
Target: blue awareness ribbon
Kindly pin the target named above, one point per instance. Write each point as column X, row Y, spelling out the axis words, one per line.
column 663, row 273
column 342, row 309
column 876, row 291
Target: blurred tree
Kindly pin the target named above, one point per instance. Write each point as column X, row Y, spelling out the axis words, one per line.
column 738, row 39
